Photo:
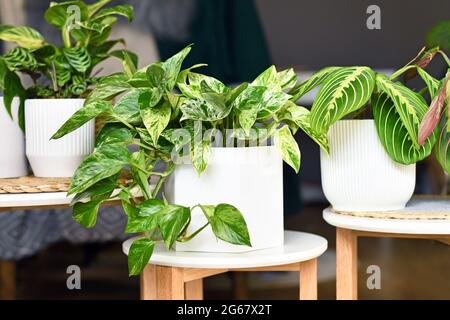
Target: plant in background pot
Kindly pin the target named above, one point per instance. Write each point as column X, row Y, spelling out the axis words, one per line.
column 61, row 77
column 371, row 163
column 212, row 140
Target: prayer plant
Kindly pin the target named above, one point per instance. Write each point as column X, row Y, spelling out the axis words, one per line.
column 170, row 114
column 65, row 71
column 406, row 126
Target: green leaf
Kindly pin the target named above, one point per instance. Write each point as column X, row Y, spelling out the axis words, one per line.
column 300, row 116
column 247, row 119
column 443, row 143
column 145, row 217
column 78, row 58
column 315, row 80
column 228, row 224
column 287, row 78
column 432, row 83
column 156, row 75
column 20, row 59
column 58, row 13
column 172, row 67
column 124, row 10
column 268, row 79
column 344, row 91
column 211, row 107
column 155, row 118
column 127, row 108
column 139, row 255
column 82, row 116
column 13, row 88
column 3, row 71
column 206, row 83
column 25, row 37
column 138, row 160
column 113, row 133
column 93, row 8
column 102, row 189
column 409, row 106
column 172, row 222
column 109, row 88
column 200, row 149
column 272, row 102
column 102, row 163
column 393, row 133
column 129, row 60
column 86, row 213
column 288, row 147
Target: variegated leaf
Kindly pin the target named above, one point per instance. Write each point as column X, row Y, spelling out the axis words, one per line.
column 25, row 37
column 315, row 80
column 300, row 116
column 344, row 91
column 410, row 106
column 78, row 58
column 393, row 133
column 288, row 147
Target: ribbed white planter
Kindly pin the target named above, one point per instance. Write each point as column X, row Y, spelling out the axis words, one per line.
column 13, row 162
column 251, row 179
column 55, row 158
column 358, row 175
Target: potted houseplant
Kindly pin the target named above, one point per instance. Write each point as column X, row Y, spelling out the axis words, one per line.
column 186, row 129
column 61, row 78
column 370, row 165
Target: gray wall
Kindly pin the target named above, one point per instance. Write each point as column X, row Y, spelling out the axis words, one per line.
column 314, row 33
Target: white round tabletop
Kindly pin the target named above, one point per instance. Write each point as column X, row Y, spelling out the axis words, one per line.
column 405, row 226
column 12, row 200
column 298, row 247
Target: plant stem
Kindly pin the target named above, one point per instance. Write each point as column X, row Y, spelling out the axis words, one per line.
column 185, row 239
column 163, row 177
column 400, row 71
column 447, row 60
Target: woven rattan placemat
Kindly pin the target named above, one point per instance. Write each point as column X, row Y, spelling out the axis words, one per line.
column 424, row 208
column 31, row 184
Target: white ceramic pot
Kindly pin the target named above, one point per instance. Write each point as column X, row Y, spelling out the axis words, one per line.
column 55, row 158
column 358, row 175
column 13, row 162
column 251, row 179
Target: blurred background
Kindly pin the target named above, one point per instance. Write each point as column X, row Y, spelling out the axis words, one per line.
column 238, row 39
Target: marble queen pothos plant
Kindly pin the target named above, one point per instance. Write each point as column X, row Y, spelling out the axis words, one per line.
column 152, row 105
column 407, row 128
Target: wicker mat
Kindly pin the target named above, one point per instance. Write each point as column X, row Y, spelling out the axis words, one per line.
column 31, row 184
column 426, row 208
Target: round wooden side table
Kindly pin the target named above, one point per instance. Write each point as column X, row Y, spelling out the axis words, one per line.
column 174, row 275
column 423, row 218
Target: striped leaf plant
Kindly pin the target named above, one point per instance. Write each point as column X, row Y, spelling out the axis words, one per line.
column 408, row 127
column 65, row 71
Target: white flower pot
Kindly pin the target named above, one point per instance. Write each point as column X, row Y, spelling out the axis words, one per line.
column 358, row 174
column 55, row 158
column 251, row 179
column 13, row 162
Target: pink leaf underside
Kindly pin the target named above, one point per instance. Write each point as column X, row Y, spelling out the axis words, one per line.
column 431, row 118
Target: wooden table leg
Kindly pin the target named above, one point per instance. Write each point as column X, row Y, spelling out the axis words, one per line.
column 194, row 290
column 148, row 283
column 346, row 264
column 308, row 280
column 169, row 283
column 7, row 280
column 240, row 285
